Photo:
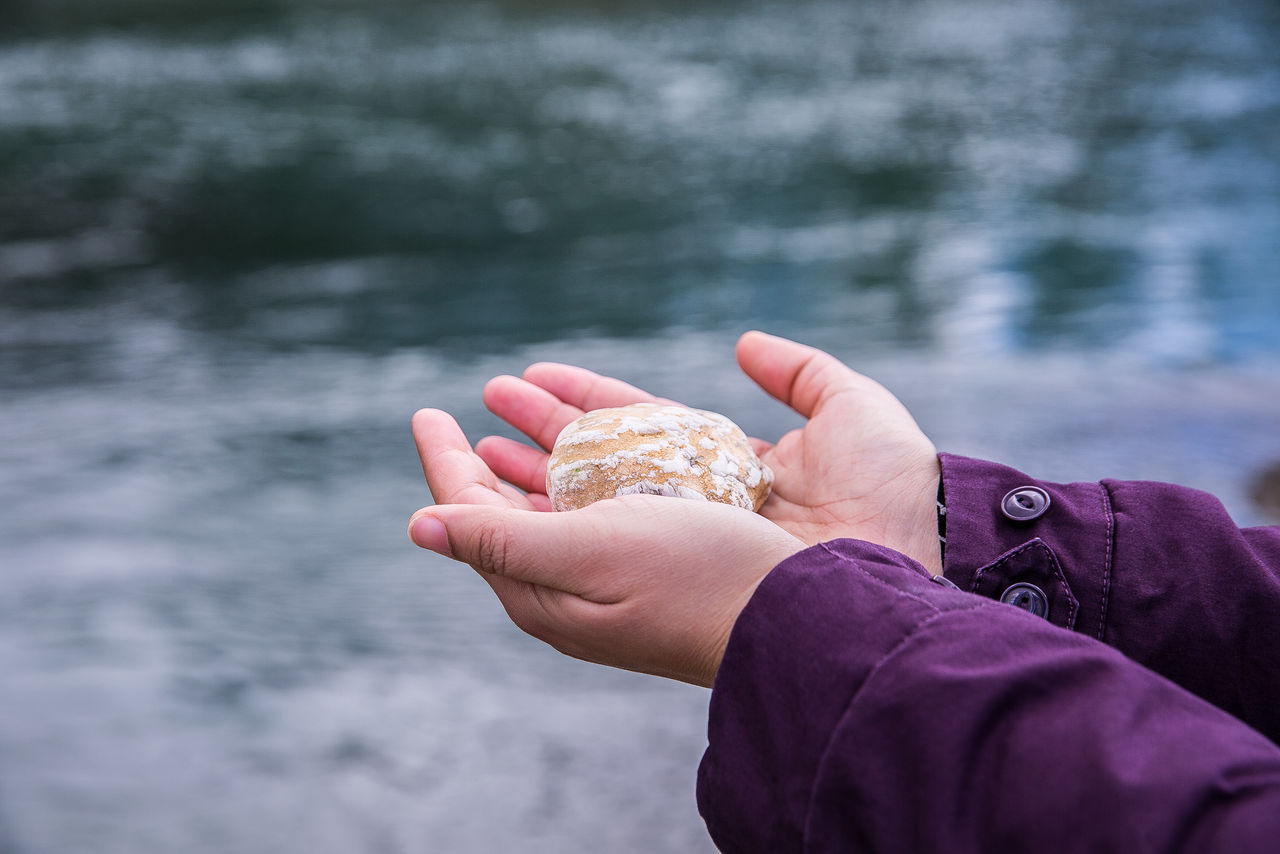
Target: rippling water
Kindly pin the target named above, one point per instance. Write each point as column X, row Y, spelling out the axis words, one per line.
column 239, row 246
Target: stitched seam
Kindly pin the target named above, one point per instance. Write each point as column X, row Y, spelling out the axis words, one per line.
column 1005, row 558
column 871, row 674
column 858, row 566
column 1106, row 567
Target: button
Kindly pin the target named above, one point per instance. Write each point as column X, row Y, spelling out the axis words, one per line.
column 1024, row 503
column 1028, row 597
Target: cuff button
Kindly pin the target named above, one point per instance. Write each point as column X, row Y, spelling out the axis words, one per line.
column 1024, row 503
column 1028, row 597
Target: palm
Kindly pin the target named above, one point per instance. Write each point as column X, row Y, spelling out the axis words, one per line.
column 835, row 476
column 809, row 498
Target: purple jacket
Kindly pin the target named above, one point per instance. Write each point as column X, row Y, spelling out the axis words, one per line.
column 1126, row 699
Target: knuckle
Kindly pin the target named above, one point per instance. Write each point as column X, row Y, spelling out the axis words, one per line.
column 491, row 548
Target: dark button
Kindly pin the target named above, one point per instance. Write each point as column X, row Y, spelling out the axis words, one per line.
column 1028, row 597
column 1024, row 503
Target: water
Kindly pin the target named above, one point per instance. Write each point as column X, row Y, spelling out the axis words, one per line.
column 240, row 245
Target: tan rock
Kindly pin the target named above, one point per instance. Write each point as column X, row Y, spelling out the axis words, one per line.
column 655, row 449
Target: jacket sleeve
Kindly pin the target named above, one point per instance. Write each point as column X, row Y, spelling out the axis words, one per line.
column 862, row 707
column 1159, row 572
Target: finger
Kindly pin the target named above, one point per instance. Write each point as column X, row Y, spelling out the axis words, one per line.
column 538, row 501
column 532, row 410
column 454, row 473
column 585, row 389
column 760, row 446
column 520, row 499
column 802, row 377
column 515, row 462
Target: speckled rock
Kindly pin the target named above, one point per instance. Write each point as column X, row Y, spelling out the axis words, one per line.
column 659, row 450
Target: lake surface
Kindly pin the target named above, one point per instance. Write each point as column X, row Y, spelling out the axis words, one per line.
column 240, row 245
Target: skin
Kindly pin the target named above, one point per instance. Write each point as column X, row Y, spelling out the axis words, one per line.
column 655, row 584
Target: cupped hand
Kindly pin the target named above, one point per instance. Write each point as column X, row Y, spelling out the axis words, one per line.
column 859, row 467
column 640, row 582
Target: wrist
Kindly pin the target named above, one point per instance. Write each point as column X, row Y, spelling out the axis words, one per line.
column 921, row 535
column 924, row 545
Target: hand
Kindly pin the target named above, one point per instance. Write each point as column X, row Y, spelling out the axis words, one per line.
column 639, row 582
column 859, row 467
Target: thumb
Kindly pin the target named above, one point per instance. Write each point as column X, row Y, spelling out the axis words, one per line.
column 800, row 376
column 593, row 552
column 552, row 550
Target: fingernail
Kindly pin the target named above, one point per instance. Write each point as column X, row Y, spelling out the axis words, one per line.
column 428, row 532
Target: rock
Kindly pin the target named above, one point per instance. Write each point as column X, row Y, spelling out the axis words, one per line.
column 655, row 449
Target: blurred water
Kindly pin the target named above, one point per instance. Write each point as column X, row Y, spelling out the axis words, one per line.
column 239, row 245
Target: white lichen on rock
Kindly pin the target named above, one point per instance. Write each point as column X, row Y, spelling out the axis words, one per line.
column 655, row 449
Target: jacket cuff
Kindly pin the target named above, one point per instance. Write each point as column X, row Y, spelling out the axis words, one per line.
column 1045, row 547
column 786, row 678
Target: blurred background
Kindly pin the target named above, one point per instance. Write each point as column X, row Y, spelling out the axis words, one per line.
column 242, row 241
